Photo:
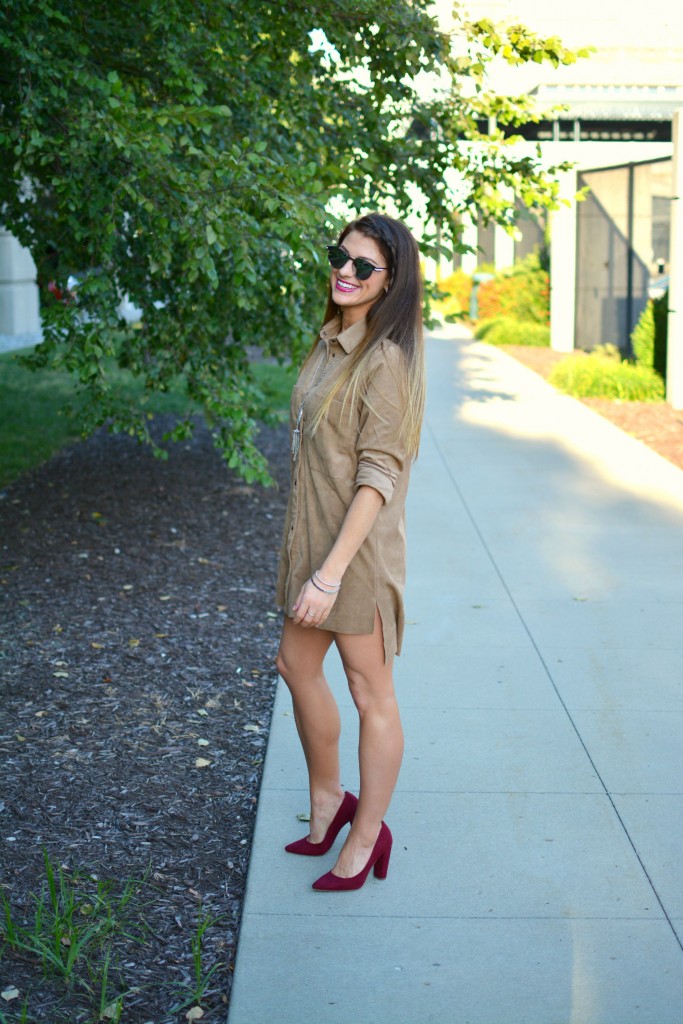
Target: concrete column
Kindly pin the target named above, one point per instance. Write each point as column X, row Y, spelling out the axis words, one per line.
column 469, row 237
column 563, row 268
column 19, row 306
column 674, row 359
column 503, row 248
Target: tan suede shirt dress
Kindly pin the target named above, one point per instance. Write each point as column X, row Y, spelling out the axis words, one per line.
column 356, row 446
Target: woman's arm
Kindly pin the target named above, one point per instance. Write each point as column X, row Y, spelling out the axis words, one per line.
column 312, row 606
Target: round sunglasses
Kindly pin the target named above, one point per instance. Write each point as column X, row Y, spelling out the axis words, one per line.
column 339, row 257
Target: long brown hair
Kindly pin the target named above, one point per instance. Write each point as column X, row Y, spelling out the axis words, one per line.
column 395, row 315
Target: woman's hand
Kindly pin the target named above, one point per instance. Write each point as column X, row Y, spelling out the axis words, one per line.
column 312, row 606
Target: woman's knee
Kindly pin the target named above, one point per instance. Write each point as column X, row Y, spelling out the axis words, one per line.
column 291, row 655
column 286, row 665
column 281, row 664
column 367, row 692
column 300, row 659
column 360, row 696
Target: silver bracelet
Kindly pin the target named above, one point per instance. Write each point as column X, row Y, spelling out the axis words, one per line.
column 322, row 591
column 334, row 586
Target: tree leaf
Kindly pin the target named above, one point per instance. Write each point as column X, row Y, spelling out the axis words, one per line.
column 198, row 179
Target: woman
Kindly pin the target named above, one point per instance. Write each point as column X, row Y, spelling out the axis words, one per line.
column 356, row 418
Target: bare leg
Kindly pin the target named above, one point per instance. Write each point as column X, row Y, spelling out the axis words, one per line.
column 380, row 748
column 300, row 663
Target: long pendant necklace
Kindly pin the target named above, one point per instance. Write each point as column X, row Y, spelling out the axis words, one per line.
column 296, row 433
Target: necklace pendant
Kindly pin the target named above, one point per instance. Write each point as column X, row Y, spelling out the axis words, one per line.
column 296, row 433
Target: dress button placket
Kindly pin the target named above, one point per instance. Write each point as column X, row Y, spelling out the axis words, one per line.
column 297, row 462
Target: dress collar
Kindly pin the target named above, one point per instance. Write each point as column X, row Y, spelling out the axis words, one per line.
column 348, row 339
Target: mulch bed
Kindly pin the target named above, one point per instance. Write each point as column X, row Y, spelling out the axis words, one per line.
column 137, row 640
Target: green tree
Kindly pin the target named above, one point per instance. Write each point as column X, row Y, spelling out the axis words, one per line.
column 185, row 152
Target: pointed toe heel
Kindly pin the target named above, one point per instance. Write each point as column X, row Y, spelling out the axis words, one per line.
column 379, row 860
column 344, row 816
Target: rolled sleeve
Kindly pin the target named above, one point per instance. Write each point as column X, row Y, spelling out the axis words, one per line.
column 380, row 448
column 371, row 474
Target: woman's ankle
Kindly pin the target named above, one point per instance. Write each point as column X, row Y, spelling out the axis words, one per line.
column 323, row 799
column 363, row 836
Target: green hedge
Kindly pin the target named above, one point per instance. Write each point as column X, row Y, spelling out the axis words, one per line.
column 484, row 326
column 595, row 376
column 506, row 330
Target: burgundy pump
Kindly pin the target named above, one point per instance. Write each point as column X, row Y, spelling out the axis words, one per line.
column 379, row 859
column 343, row 817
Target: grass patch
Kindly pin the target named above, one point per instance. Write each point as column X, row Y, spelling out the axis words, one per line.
column 33, row 421
column 70, row 935
column 79, row 937
column 276, row 383
column 598, row 376
column 34, row 425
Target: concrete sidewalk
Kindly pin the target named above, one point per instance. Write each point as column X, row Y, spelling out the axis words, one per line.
column 537, row 870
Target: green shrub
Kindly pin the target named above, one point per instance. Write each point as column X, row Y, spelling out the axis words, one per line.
column 505, row 330
column 595, row 376
column 648, row 339
column 522, row 292
column 607, row 351
column 458, row 288
column 643, row 337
